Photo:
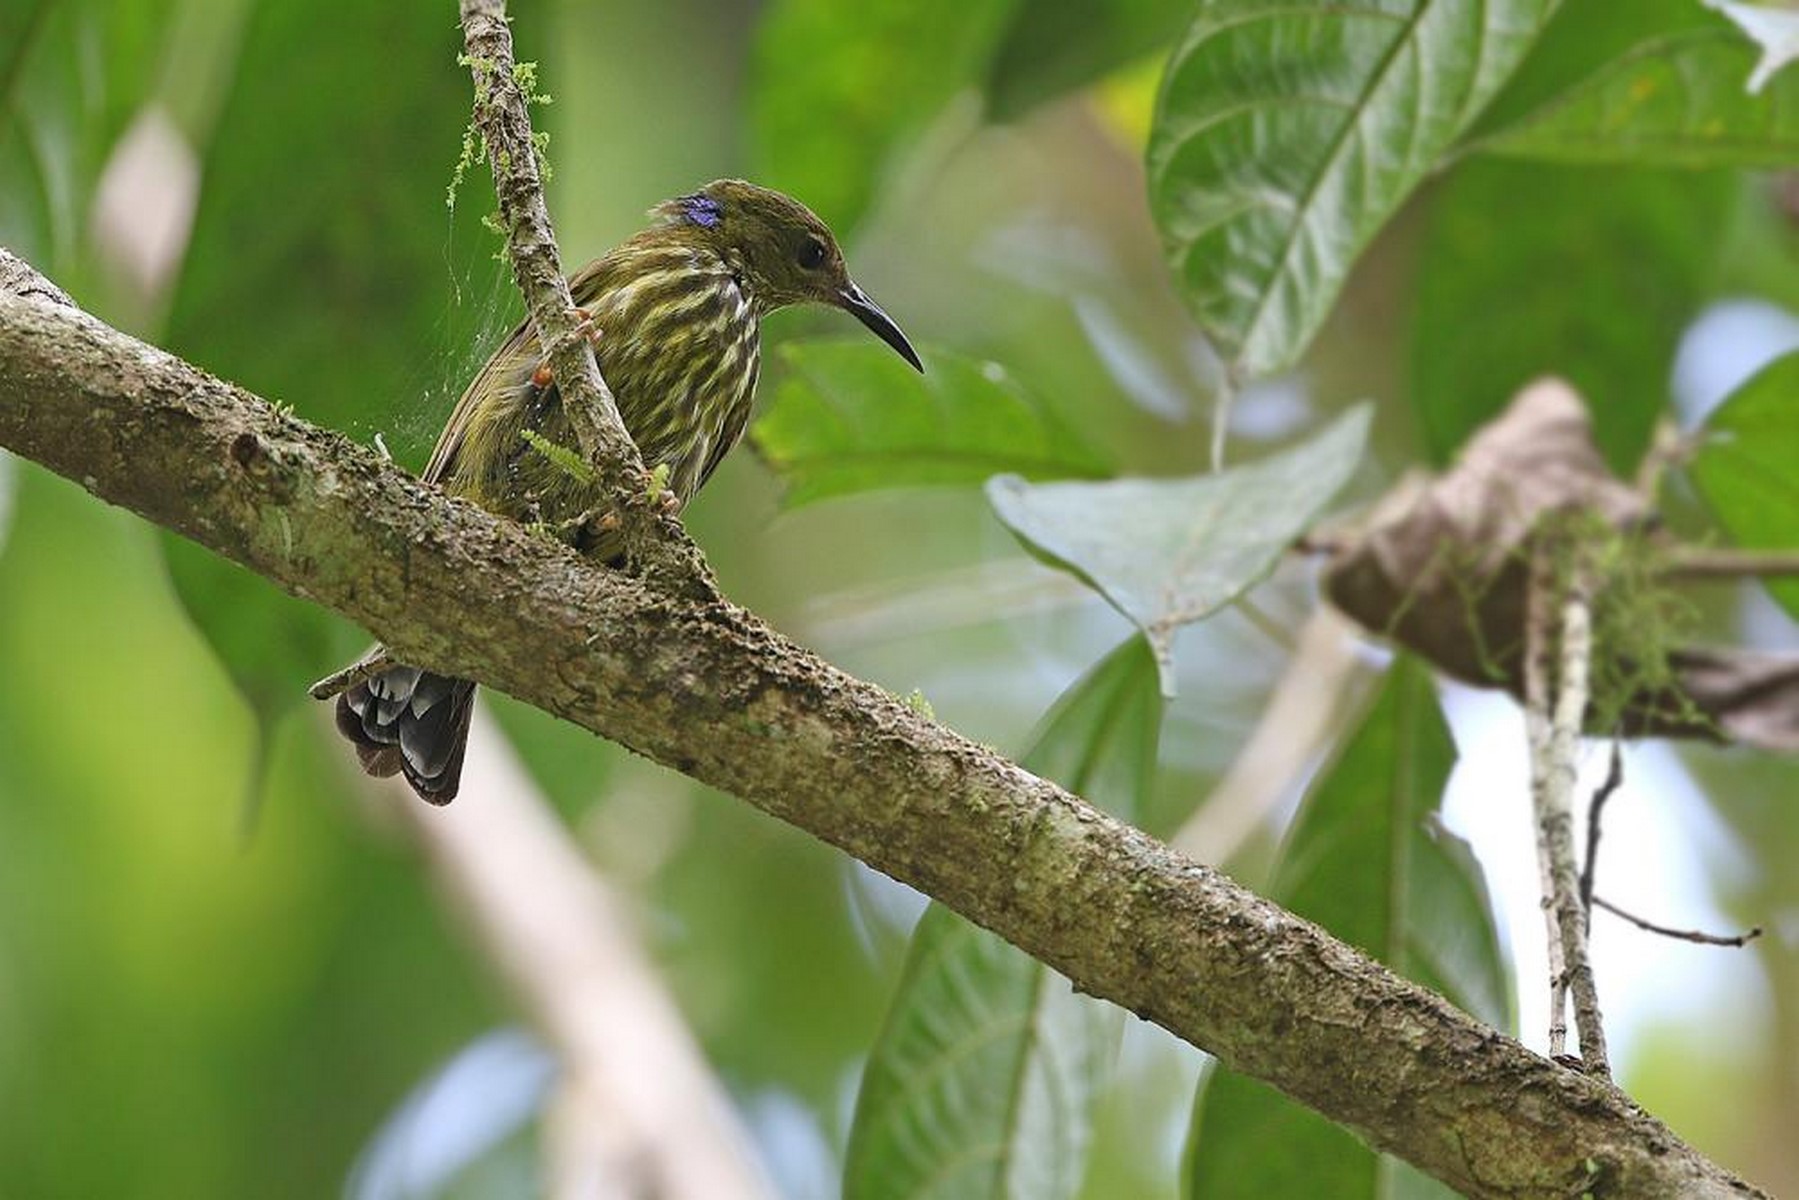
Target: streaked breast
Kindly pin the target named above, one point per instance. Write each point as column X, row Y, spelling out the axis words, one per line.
column 679, row 346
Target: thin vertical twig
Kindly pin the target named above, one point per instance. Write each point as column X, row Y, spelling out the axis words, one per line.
column 502, row 117
column 1614, row 779
column 1538, row 725
column 1559, row 636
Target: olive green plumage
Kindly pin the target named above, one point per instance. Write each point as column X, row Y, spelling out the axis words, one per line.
column 677, row 311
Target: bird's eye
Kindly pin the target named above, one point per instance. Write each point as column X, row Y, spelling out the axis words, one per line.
column 812, row 254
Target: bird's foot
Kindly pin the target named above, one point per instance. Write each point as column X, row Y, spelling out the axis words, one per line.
column 589, row 528
column 541, row 376
column 660, row 494
column 585, row 327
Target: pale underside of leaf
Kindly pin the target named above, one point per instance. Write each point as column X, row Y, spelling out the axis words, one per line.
column 1167, row 552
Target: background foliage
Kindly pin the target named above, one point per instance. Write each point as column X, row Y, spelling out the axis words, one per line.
column 221, row 970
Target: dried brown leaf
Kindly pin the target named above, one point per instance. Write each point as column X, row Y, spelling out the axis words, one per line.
column 1441, row 566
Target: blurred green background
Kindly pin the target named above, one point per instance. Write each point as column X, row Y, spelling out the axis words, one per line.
column 223, row 968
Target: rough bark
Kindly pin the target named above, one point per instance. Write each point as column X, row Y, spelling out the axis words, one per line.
column 708, row 689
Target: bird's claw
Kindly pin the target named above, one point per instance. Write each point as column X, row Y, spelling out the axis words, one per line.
column 585, row 327
column 541, row 376
column 588, row 529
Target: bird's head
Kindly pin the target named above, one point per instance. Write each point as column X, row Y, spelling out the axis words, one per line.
column 785, row 254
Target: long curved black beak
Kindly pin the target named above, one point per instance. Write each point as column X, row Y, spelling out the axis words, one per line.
column 854, row 300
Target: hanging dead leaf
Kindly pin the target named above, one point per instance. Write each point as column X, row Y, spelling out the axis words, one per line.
column 1441, row 566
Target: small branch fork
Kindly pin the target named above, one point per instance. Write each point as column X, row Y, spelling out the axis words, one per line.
column 1558, row 656
column 1614, row 778
column 654, row 541
column 366, row 667
column 1558, row 647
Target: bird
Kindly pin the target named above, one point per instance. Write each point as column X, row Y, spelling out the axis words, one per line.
column 675, row 312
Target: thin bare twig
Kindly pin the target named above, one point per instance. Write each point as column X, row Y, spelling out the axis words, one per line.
column 1708, row 562
column 366, row 667
column 1685, row 935
column 1538, row 724
column 1614, row 779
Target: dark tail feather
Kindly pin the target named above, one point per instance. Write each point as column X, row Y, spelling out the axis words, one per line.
column 409, row 721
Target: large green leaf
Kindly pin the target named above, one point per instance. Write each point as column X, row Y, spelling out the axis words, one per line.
column 1368, row 860
column 982, row 1083
column 837, row 88
column 375, row 307
column 1053, row 47
column 1677, row 97
column 1167, row 552
column 1746, row 467
column 1286, row 135
column 1583, row 272
column 849, row 416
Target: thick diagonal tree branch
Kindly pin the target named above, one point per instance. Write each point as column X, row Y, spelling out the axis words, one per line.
column 708, row 689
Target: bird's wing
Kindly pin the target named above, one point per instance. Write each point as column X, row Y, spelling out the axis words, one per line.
column 443, row 457
column 518, row 349
column 735, row 420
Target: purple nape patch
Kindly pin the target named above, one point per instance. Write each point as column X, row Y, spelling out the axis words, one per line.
column 702, row 209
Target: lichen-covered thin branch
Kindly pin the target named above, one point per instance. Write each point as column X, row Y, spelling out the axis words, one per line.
column 1559, row 648
column 653, row 540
